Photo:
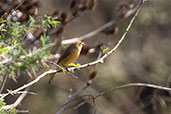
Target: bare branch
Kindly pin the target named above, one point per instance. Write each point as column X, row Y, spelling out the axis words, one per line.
column 17, row 102
column 117, row 88
column 73, row 95
column 29, row 84
column 134, row 85
column 117, row 45
column 103, row 57
column 64, row 42
column 3, row 83
column 19, row 99
column 85, row 65
column 90, row 34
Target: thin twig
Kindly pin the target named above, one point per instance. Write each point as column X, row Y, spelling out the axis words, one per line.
column 85, row 86
column 107, row 54
column 90, row 97
column 60, row 68
column 134, row 85
column 18, row 101
column 85, row 65
column 14, row 9
column 117, row 45
column 3, row 83
column 64, row 42
column 70, row 19
column 27, row 92
column 73, row 95
column 118, row 88
column 90, row 34
column 29, row 84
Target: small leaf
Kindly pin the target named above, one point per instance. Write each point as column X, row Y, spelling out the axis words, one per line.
column 10, row 92
column 63, row 70
column 2, row 103
column 32, row 20
column 71, row 64
column 52, row 74
column 3, row 21
column 4, row 50
column 36, row 11
column 72, row 71
column 22, row 50
column 23, row 67
column 104, row 50
column 14, row 43
column 13, row 77
column 78, row 65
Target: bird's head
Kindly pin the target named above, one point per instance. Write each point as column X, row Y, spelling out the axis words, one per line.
column 80, row 44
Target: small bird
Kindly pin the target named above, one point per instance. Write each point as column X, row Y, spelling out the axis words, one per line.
column 70, row 55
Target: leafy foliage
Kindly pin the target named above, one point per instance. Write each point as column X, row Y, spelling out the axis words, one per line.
column 105, row 50
column 5, row 111
column 12, row 35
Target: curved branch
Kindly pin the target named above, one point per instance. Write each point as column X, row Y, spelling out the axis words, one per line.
column 114, row 89
column 117, row 45
column 85, row 65
column 65, row 42
column 28, row 84
column 16, row 103
column 19, row 99
column 134, row 85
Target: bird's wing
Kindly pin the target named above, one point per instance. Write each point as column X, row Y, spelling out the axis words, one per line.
column 66, row 53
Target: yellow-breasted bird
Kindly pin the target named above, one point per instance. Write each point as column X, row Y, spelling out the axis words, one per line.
column 71, row 53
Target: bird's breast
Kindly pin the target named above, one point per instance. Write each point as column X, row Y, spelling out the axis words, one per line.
column 70, row 58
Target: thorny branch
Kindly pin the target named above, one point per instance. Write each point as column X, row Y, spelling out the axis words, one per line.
column 88, row 64
column 85, row 65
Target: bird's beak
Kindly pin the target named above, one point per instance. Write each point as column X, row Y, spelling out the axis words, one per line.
column 83, row 44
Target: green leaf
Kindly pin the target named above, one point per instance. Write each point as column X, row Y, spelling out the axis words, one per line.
column 22, row 50
column 10, row 92
column 1, row 44
column 32, row 20
column 52, row 74
column 71, row 64
column 14, row 43
column 78, row 65
column 23, row 67
column 3, row 21
column 4, row 50
column 43, row 41
column 50, row 22
column 104, row 50
column 2, row 103
column 63, row 70
column 72, row 71
column 15, row 53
